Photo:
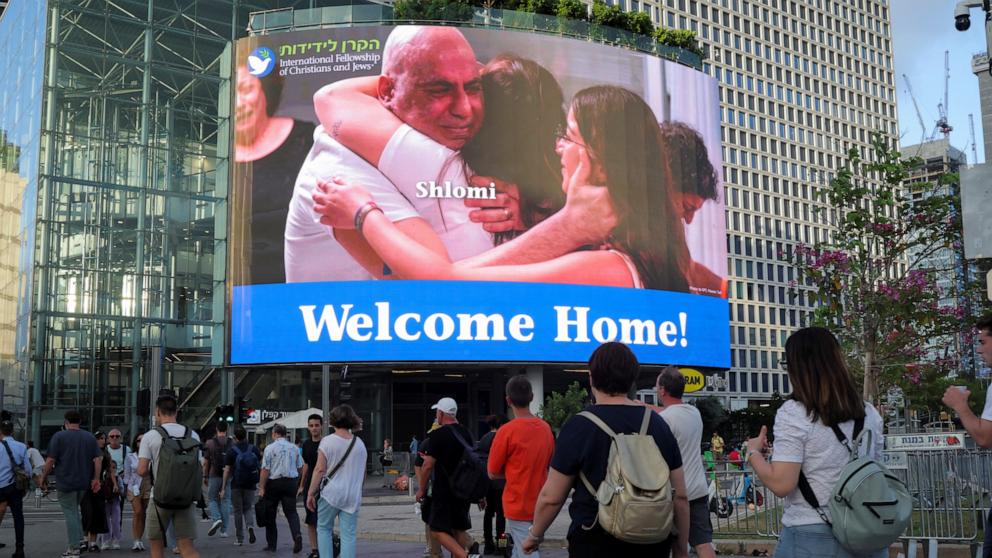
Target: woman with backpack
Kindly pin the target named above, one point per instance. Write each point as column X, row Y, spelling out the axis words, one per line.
column 824, row 397
column 242, row 465
column 339, row 491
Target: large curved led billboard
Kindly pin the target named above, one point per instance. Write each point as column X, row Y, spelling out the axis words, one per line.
column 456, row 194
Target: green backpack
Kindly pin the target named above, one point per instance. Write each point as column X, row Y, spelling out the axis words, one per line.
column 177, row 484
column 870, row 508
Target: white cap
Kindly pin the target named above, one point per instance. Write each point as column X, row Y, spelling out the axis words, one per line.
column 447, row 406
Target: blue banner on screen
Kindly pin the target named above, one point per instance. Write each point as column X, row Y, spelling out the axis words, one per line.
column 395, row 321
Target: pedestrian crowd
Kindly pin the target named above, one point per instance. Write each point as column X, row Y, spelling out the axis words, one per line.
column 633, row 474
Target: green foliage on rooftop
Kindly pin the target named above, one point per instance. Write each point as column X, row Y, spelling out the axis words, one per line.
column 600, row 15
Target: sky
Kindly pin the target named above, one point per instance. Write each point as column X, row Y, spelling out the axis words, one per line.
column 921, row 31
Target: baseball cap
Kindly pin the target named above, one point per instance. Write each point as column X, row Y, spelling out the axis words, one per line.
column 447, row 406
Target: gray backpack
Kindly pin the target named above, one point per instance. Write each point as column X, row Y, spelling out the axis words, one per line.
column 635, row 498
column 177, row 484
column 870, row 508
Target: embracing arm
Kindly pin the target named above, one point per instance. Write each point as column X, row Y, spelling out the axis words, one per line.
column 409, row 260
column 351, row 113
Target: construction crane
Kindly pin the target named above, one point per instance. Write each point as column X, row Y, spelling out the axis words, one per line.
column 942, row 125
column 919, row 115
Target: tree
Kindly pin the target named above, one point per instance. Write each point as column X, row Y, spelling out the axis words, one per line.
column 559, row 407
column 436, row 10
column 609, row 16
column 679, row 38
column 712, row 413
column 639, row 23
column 572, row 9
column 866, row 280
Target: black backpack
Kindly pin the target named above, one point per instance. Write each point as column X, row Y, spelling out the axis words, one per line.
column 470, row 479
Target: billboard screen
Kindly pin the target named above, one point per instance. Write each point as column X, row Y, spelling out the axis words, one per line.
column 443, row 194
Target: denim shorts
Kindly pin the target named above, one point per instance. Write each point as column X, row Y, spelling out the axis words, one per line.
column 815, row 541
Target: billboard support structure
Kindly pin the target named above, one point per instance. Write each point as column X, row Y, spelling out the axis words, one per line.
column 325, row 395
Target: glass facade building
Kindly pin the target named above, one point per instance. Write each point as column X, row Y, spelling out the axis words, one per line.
column 114, row 173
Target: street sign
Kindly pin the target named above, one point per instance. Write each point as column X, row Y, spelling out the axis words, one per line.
column 895, row 460
column 918, row 442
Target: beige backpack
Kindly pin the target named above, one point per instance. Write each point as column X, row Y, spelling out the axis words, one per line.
column 635, row 497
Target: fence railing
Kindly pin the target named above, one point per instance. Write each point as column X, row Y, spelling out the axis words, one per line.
column 952, row 493
column 288, row 19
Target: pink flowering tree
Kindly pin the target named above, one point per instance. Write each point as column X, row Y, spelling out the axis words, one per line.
column 872, row 281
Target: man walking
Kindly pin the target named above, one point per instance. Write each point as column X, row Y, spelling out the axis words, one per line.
column 279, row 483
column 166, row 482
column 449, row 520
column 686, row 425
column 76, row 456
column 11, row 496
column 118, row 453
column 980, row 428
column 241, row 473
column 218, row 493
column 315, row 426
column 521, row 453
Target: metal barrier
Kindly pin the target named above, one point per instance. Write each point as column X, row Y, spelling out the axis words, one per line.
column 952, row 493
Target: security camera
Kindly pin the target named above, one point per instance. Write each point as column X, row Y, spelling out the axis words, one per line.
column 962, row 17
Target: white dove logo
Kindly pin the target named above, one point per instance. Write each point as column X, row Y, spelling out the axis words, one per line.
column 261, row 62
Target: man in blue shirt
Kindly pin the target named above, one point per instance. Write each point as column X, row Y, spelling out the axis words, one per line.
column 10, row 495
column 278, row 483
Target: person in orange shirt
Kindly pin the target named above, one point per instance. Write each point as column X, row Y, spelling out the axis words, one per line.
column 521, row 453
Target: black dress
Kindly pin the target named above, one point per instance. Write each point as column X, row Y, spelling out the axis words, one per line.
column 271, row 182
column 93, row 506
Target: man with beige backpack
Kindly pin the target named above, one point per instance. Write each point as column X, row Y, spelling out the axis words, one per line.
column 625, row 467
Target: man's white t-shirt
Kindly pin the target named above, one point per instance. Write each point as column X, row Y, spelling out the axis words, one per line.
column 987, row 412
column 311, row 251
column 344, row 491
column 411, row 157
column 687, row 426
column 800, row 440
column 151, row 443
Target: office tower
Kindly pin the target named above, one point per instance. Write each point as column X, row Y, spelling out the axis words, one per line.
column 801, row 83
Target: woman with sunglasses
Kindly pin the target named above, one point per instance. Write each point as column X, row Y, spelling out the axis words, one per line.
column 139, row 490
column 611, row 140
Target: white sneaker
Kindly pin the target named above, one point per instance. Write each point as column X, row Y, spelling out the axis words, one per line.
column 136, row 547
column 224, row 535
column 115, row 544
column 105, row 545
column 213, row 528
column 175, row 550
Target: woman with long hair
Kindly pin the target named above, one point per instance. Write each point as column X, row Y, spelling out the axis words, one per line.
column 611, row 139
column 824, row 396
column 139, row 490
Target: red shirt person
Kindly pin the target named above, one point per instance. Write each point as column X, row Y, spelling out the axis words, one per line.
column 521, row 453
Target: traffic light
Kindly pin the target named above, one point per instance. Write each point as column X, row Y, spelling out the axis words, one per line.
column 244, row 411
column 225, row 413
column 144, row 404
